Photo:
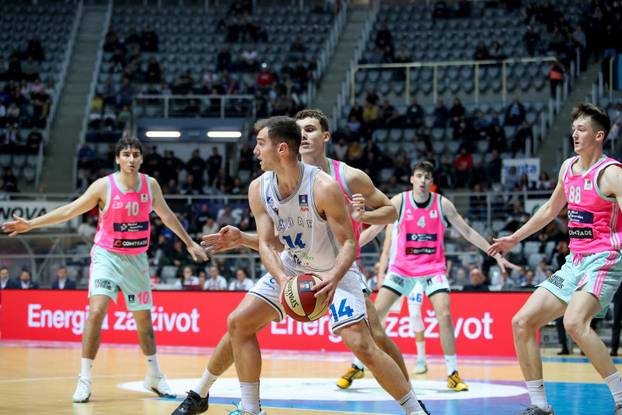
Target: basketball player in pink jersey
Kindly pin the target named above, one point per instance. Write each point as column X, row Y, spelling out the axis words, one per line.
column 591, row 184
column 415, row 245
column 360, row 191
column 118, row 257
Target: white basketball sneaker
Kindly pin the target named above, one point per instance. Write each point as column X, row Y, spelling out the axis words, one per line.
column 83, row 391
column 421, row 367
column 239, row 410
column 158, row 385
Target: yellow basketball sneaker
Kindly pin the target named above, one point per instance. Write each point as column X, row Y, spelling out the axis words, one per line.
column 346, row 380
column 454, row 382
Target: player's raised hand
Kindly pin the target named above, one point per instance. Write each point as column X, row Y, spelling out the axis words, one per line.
column 229, row 237
column 357, row 207
column 327, row 287
column 197, row 253
column 502, row 245
column 14, row 227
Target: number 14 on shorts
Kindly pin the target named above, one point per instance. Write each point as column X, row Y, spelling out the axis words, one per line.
column 343, row 310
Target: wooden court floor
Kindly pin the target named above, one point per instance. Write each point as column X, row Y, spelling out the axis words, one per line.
column 40, row 378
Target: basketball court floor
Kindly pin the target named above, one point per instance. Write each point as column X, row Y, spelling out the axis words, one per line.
column 40, row 378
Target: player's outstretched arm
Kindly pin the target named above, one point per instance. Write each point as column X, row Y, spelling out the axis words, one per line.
column 331, row 203
column 364, row 193
column 169, row 219
column 84, row 203
column 470, row 234
column 268, row 245
column 227, row 238
column 547, row 212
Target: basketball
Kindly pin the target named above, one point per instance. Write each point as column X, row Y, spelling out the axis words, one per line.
column 299, row 300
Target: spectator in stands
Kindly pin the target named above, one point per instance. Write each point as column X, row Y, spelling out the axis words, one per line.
column 224, row 61
column 5, row 279
column 33, row 141
column 241, row 281
column 556, row 77
column 214, row 164
column 384, row 37
column 215, row 282
column 188, row 280
column 545, row 182
column 511, row 179
column 496, row 52
column 190, row 187
column 542, row 273
column 248, row 59
column 149, row 39
column 87, row 228
column 25, row 280
column 497, row 140
column 481, row 52
column 580, row 41
column 517, row 217
column 62, row 281
column 225, row 217
column 371, row 115
column 456, row 111
column 30, row 69
column 153, row 75
column 196, row 166
column 477, row 203
column 14, row 71
column 531, row 39
column 515, row 113
column 528, row 281
column 210, row 227
column 414, row 115
column 523, row 135
column 477, row 280
column 441, row 115
column 389, row 116
column 34, row 49
column 463, row 164
column 9, row 180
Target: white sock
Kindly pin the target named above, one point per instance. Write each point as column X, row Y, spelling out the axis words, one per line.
column 409, row 403
column 615, row 386
column 250, row 396
column 356, row 362
column 452, row 364
column 206, row 382
column 153, row 369
column 85, row 368
column 421, row 350
column 536, row 393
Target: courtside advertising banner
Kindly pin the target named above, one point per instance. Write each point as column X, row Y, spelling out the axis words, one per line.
column 482, row 321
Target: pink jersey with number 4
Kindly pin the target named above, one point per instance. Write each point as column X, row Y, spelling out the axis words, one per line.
column 418, row 248
column 337, row 172
column 593, row 218
column 123, row 225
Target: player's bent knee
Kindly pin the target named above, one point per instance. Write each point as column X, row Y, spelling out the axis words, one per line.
column 521, row 324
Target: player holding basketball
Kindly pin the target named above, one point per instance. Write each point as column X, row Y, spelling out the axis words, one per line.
column 360, row 192
column 415, row 245
column 308, row 211
column 118, row 257
column 591, row 184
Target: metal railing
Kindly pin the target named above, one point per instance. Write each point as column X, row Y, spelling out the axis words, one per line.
column 328, row 50
column 168, row 108
column 435, row 65
column 344, row 90
column 59, row 88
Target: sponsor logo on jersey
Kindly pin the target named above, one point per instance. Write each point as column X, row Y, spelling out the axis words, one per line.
column 144, row 197
column 433, row 213
column 587, row 184
column 117, row 205
column 303, row 202
column 557, row 281
column 270, row 203
column 130, row 243
column 580, row 216
column 105, row 284
column 580, row 233
column 420, row 237
column 131, row 226
column 421, row 251
column 131, row 298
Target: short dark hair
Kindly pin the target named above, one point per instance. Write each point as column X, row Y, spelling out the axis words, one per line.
column 313, row 113
column 125, row 142
column 3, row 267
column 600, row 118
column 424, row 165
column 282, row 129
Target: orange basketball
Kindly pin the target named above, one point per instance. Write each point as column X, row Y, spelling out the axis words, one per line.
column 299, row 300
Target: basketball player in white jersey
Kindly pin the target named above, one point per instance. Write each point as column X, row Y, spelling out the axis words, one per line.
column 591, row 184
column 118, row 258
column 360, row 192
column 415, row 245
column 313, row 234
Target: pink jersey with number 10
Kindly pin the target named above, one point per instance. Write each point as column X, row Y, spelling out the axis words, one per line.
column 593, row 218
column 123, row 225
column 418, row 248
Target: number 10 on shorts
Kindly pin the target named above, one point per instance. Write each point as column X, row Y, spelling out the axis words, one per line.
column 344, row 310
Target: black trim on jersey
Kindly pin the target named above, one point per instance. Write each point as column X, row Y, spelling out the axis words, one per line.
column 424, row 204
column 348, row 322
